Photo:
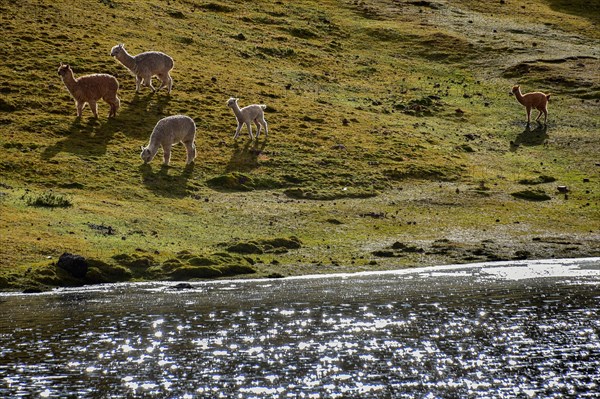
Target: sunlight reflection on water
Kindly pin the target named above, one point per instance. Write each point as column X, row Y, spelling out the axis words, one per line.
column 499, row 331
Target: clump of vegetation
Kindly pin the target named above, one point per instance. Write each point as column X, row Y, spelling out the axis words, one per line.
column 49, row 199
column 273, row 245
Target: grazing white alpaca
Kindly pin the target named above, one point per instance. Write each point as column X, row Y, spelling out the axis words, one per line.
column 537, row 100
column 168, row 131
column 247, row 115
column 90, row 88
column 146, row 65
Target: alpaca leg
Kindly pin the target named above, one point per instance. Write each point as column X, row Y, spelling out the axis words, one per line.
column 258, row 127
column 170, row 84
column 94, row 107
column 237, row 131
column 249, row 125
column 528, row 115
column 545, row 115
column 167, row 154
column 163, row 81
column 266, row 126
column 117, row 105
column 149, row 84
column 114, row 105
column 138, row 82
column 191, row 152
column 79, row 106
column 538, row 116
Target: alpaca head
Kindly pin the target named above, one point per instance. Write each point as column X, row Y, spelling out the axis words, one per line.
column 63, row 69
column 117, row 50
column 515, row 89
column 146, row 154
column 231, row 102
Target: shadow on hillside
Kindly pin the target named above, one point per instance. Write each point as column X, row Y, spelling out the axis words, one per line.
column 140, row 115
column 164, row 184
column 86, row 138
column 582, row 8
column 135, row 118
column 529, row 137
column 245, row 157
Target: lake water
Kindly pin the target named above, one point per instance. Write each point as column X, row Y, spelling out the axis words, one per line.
column 527, row 329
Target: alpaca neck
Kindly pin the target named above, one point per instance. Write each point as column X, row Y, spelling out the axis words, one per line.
column 154, row 145
column 126, row 59
column 69, row 80
column 519, row 96
column 236, row 110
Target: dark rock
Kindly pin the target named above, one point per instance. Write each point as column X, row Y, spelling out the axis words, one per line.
column 183, row 286
column 32, row 290
column 76, row 265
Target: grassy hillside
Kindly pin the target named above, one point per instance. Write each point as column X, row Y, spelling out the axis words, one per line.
column 393, row 140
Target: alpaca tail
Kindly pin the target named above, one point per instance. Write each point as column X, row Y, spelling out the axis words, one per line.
column 263, row 106
column 548, row 97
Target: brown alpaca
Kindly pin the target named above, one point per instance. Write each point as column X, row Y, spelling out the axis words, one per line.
column 89, row 89
column 537, row 100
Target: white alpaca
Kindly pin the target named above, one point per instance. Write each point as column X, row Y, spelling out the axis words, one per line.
column 246, row 115
column 146, row 65
column 168, row 131
column 90, row 88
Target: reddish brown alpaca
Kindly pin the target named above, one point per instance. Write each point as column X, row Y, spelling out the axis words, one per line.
column 537, row 100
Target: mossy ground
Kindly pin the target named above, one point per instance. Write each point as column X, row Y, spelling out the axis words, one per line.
column 391, row 127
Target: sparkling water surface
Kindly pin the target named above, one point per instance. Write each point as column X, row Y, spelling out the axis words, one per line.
column 500, row 330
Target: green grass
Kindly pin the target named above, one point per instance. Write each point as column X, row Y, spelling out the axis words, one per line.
column 389, row 123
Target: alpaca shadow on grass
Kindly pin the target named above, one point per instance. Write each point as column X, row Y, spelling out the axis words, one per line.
column 167, row 181
column 85, row 138
column 140, row 114
column 153, row 103
column 529, row 137
column 245, row 157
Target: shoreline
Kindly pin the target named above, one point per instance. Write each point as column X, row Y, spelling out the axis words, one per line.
column 507, row 270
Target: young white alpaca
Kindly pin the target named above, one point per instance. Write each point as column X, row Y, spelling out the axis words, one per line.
column 146, row 65
column 247, row 115
column 168, row 131
column 90, row 88
column 535, row 100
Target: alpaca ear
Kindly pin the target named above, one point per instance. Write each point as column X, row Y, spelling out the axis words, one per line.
column 142, row 147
